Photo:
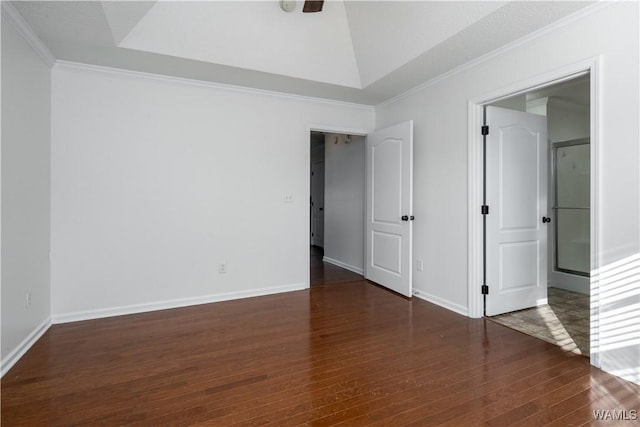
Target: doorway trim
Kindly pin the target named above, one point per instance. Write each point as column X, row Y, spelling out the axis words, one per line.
column 307, row 165
column 475, row 247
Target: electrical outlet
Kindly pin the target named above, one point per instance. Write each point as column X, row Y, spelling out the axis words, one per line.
column 222, row 268
column 28, row 300
column 419, row 265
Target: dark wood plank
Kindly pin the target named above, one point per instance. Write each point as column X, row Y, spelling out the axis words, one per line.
column 344, row 352
column 323, row 273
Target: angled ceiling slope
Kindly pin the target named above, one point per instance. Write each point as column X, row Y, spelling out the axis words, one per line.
column 355, row 51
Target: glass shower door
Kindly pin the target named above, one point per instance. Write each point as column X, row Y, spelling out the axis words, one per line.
column 572, row 201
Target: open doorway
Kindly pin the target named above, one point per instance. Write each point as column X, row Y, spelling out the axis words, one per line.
column 368, row 191
column 336, row 206
column 563, row 316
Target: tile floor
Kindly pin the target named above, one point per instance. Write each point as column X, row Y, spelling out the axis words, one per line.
column 564, row 321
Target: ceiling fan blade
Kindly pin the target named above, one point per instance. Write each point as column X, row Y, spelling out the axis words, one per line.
column 311, row 6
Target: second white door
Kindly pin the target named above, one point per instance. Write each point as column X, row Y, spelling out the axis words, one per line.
column 516, row 225
column 389, row 216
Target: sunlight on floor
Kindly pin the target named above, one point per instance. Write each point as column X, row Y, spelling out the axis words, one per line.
column 564, row 321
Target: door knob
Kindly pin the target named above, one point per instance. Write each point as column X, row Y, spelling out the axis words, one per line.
column 405, row 217
column 546, row 219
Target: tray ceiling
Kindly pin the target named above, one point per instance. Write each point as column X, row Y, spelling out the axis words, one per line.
column 356, row 51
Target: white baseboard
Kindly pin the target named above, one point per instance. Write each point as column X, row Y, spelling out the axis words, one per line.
column 441, row 302
column 343, row 265
column 24, row 346
column 569, row 282
column 176, row 303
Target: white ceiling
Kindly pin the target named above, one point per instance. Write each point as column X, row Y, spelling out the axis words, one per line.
column 252, row 35
column 356, row 51
column 386, row 37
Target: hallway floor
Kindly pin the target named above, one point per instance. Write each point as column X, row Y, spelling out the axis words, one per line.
column 323, row 273
column 564, row 321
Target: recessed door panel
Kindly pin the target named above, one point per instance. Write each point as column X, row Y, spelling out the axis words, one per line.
column 387, row 181
column 518, row 178
column 516, row 270
column 387, row 252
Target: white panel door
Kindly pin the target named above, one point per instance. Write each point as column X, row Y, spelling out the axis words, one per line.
column 389, row 157
column 317, row 204
column 516, row 192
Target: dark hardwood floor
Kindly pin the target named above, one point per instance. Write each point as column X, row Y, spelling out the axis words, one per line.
column 326, row 274
column 343, row 352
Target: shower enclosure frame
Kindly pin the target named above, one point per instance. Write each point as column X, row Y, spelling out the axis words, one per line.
column 555, row 208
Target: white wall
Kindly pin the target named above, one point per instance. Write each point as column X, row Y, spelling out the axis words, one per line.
column 156, row 181
column 439, row 111
column 344, row 201
column 566, row 121
column 26, row 90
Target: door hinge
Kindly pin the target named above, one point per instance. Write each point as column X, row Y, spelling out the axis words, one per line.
column 313, row 234
column 485, row 130
column 485, row 289
column 485, row 210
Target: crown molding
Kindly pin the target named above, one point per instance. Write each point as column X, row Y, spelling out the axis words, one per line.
column 554, row 100
column 24, row 29
column 120, row 72
column 599, row 5
column 537, row 102
column 565, row 103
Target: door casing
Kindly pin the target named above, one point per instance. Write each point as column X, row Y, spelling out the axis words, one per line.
column 475, row 176
column 326, row 129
